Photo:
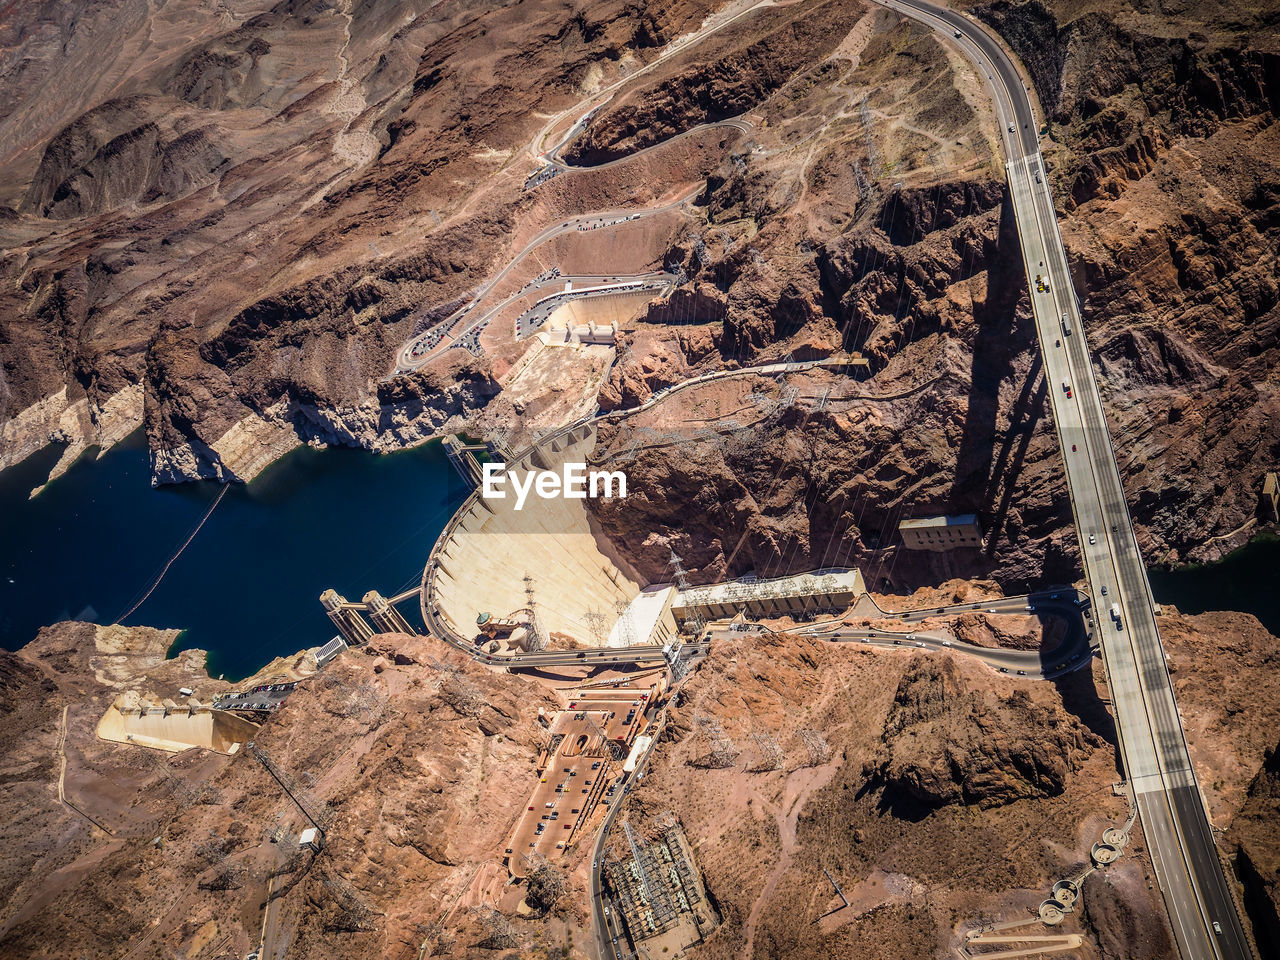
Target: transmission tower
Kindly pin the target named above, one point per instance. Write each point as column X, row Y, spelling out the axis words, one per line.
column 461, row 694
column 179, row 789
column 864, row 187
column 683, row 585
column 546, row 878
column 768, row 753
column 816, row 744
column 612, row 749
column 700, row 249
column 628, row 454
column 213, row 851
column 722, row 753
column 595, row 621
column 498, row 934
column 227, row 876
column 537, row 639
column 354, row 913
column 359, row 700
column 865, row 114
column 626, row 623
column 441, row 665
column 711, row 435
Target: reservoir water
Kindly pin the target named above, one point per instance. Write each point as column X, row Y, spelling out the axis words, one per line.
column 246, row 587
column 1246, row 580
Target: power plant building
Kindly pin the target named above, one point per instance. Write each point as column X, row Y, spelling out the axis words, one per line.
column 829, row 591
column 941, row 533
column 1271, row 498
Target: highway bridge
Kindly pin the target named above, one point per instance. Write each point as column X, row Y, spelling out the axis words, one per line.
column 1153, row 746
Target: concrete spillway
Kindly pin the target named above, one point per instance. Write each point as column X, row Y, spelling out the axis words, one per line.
column 600, row 309
column 482, row 558
column 174, row 728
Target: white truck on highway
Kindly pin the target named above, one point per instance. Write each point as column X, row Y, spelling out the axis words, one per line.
column 1115, row 615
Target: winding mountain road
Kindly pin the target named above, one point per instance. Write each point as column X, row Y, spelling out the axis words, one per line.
column 418, row 350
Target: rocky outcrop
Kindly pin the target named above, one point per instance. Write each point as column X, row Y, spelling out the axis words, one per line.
column 120, row 152
column 1123, row 94
column 725, row 80
column 1121, row 930
column 253, row 219
column 945, row 745
column 998, row 758
column 1256, row 833
column 953, row 419
column 91, row 420
column 910, row 215
column 401, row 413
column 418, row 796
column 1173, row 250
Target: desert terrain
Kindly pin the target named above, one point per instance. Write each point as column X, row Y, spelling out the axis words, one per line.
column 252, row 225
column 945, row 796
column 172, row 269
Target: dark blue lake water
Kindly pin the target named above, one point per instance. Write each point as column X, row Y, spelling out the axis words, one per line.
column 1247, row 580
column 246, row 588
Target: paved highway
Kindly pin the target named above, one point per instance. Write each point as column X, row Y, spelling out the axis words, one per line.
column 1152, row 744
column 608, row 928
column 1071, row 654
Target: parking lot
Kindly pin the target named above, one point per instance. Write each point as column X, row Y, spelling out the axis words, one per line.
column 589, row 739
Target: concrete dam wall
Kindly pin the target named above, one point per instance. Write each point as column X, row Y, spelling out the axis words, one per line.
column 482, row 558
